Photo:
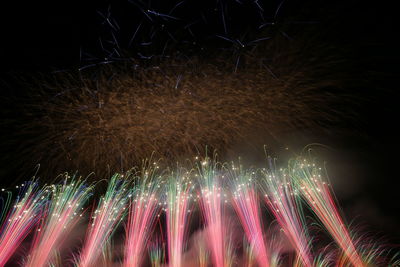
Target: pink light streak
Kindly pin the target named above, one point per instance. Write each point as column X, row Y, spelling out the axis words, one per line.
column 283, row 203
column 61, row 216
column 318, row 195
column 105, row 219
column 246, row 205
column 212, row 207
column 142, row 213
column 177, row 211
column 19, row 222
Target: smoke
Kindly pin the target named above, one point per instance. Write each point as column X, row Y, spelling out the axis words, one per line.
column 111, row 119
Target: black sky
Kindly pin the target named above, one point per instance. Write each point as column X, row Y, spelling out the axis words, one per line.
column 52, row 34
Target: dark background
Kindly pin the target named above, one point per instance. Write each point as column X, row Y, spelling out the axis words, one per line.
column 64, row 35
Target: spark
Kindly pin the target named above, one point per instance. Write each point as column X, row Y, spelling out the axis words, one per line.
column 66, row 204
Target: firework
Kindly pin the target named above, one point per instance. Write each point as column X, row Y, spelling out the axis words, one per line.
column 285, row 205
column 290, row 193
column 247, row 205
column 143, row 211
column 275, row 249
column 85, row 122
column 213, row 200
column 24, row 215
column 203, row 256
column 316, row 192
column 105, row 219
column 157, row 254
column 64, row 211
column 178, row 203
column 249, row 256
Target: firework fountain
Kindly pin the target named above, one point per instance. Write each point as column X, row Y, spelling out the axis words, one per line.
column 63, row 212
column 105, row 219
column 283, row 202
column 178, row 197
column 308, row 179
column 143, row 211
column 295, row 196
column 23, row 216
column 176, row 94
column 247, row 205
column 212, row 204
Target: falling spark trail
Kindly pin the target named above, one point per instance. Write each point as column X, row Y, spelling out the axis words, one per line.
column 212, row 206
column 143, row 211
column 21, row 219
column 177, row 211
column 64, row 211
column 55, row 210
column 105, row 219
column 246, row 204
column 284, row 204
column 317, row 193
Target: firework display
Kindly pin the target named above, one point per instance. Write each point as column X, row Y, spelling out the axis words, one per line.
column 111, row 120
column 247, row 205
column 104, row 221
column 213, row 209
column 142, row 214
column 110, row 109
column 177, row 215
column 157, row 209
column 283, row 202
column 20, row 220
column 65, row 208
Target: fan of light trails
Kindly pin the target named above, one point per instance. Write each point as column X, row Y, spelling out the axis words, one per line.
column 316, row 192
column 105, row 219
column 143, row 211
column 247, row 206
column 284, row 204
column 178, row 203
column 221, row 190
column 24, row 215
column 64, row 211
column 212, row 204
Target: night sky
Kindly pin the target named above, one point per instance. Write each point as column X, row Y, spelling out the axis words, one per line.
column 40, row 38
